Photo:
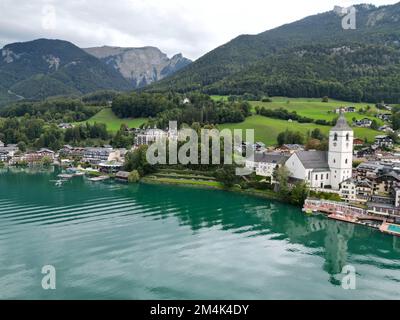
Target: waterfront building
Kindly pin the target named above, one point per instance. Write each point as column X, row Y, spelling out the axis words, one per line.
column 97, row 155
column 265, row 164
column 7, row 153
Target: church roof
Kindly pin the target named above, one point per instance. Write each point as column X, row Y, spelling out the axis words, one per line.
column 341, row 124
column 314, row 159
column 270, row 158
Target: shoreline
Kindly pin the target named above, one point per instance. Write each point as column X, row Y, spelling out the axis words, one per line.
column 270, row 195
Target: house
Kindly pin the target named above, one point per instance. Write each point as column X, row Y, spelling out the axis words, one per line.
column 71, row 152
column 354, row 190
column 351, row 109
column 186, row 101
column 345, row 109
column 265, row 164
column 384, row 141
column 348, row 190
column 363, row 123
column 33, row 157
column 110, row 167
column 46, row 153
column 7, row 153
column 326, row 170
column 386, row 128
column 369, row 170
column 149, row 136
column 98, row 155
column 65, row 126
column 357, row 142
column 384, row 184
column 385, row 116
column 290, row 148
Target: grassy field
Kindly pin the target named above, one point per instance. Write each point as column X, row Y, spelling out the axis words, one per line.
column 267, row 129
column 312, row 108
column 113, row 123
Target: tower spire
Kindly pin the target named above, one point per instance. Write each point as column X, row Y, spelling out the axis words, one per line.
column 341, row 124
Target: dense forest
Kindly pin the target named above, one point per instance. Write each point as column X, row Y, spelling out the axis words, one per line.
column 313, row 57
column 54, row 110
column 34, row 133
column 186, row 109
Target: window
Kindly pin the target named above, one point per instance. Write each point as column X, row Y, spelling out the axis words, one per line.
column 347, row 137
column 335, row 137
column 322, row 177
column 316, row 177
column 347, row 161
column 327, row 176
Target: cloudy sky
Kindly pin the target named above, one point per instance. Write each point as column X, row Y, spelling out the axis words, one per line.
column 192, row 27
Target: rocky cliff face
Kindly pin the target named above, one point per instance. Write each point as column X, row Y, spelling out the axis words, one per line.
column 140, row 66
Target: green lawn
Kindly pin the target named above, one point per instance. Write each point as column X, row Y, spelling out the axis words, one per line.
column 267, row 129
column 113, row 123
column 184, row 182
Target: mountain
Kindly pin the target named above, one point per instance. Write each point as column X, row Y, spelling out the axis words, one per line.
column 312, row 57
column 140, row 66
column 42, row 68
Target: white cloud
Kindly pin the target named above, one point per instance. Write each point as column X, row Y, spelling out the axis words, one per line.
column 192, row 27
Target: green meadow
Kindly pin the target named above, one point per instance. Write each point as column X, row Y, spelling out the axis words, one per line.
column 313, row 108
column 267, row 129
column 113, row 123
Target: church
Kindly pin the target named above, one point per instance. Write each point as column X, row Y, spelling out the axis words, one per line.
column 326, row 169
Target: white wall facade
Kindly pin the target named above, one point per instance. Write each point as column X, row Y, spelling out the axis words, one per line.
column 340, row 156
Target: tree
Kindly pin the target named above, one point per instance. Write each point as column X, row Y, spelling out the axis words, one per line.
column 374, row 125
column 122, row 138
column 299, row 194
column 281, row 175
column 134, row 177
column 396, row 121
column 22, row 146
column 137, row 160
column 317, row 134
column 227, row 176
column 46, row 161
column 325, row 99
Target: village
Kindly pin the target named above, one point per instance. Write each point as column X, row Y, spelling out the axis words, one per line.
column 363, row 180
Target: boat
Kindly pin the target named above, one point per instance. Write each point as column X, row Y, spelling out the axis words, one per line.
column 65, row 176
column 98, row 179
column 79, row 174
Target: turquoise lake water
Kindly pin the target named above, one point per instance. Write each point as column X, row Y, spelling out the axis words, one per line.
column 116, row 241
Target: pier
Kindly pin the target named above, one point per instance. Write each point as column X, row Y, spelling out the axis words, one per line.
column 345, row 212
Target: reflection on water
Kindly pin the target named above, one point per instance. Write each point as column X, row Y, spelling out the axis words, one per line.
column 112, row 240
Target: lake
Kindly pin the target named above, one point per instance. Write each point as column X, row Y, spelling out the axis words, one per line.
column 117, row 241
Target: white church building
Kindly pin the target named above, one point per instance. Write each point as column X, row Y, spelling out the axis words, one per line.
column 326, row 169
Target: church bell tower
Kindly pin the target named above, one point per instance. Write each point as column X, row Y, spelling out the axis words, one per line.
column 340, row 155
